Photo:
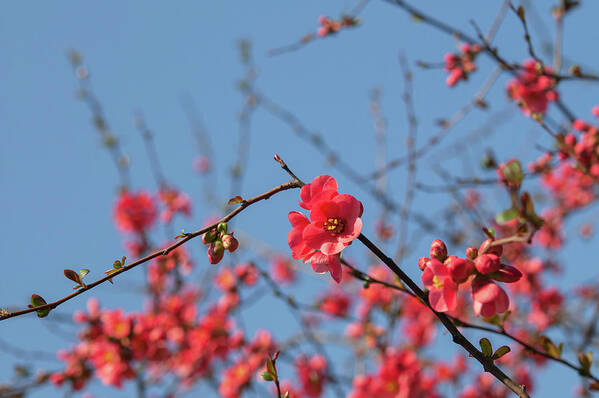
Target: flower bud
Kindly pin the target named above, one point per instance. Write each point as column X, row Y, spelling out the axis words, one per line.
column 487, row 263
column 507, row 274
column 438, row 250
column 422, row 262
column 486, row 248
column 460, row 269
column 230, row 243
column 471, row 253
column 222, row 228
column 209, row 237
column 216, row 251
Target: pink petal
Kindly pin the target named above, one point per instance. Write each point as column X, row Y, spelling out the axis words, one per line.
column 450, row 292
column 484, row 290
column 502, row 303
column 507, row 274
column 438, row 268
column 332, row 248
column 335, row 268
column 348, row 206
column 296, row 218
column 427, row 277
column 319, row 263
column 437, row 301
column 488, row 309
column 323, row 210
column 315, row 236
column 352, row 231
column 310, row 192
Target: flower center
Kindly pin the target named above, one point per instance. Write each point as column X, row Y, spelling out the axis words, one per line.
column 334, row 225
column 437, row 283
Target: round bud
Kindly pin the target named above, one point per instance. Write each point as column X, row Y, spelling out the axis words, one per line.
column 222, row 228
column 471, row 253
column 438, row 250
column 230, row 243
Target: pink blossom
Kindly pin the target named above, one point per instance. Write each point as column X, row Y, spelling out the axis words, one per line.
column 442, row 289
column 134, row 212
column 335, row 223
column 489, row 298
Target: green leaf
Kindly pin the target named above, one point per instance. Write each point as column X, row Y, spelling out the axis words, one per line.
column 486, row 347
column 551, row 348
column 72, row 275
column 506, row 216
column 235, row 200
column 586, row 360
column 501, row 351
column 270, row 365
column 82, row 273
column 267, row 376
column 38, row 301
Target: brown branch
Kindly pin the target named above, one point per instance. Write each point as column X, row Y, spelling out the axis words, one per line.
column 163, row 252
column 458, row 338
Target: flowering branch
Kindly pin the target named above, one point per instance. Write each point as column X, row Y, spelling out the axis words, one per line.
column 163, row 252
column 458, row 337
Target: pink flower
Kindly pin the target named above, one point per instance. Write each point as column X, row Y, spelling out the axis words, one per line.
column 322, row 187
column 335, row 223
column 487, row 263
column 134, row 212
column 532, row 90
column 489, row 298
column 301, row 251
column 442, row 289
column 175, row 202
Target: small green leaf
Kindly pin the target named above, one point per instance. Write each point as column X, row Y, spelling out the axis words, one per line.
column 551, row 348
column 270, row 365
column 586, row 360
column 486, row 347
column 267, row 376
column 72, row 275
column 501, row 351
column 233, row 201
column 38, row 301
column 506, row 216
column 83, row 273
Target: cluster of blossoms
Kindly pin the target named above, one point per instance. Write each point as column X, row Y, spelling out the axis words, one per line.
column 532, row 89
column 334, row 223
column 218, row 241
column 460, row 65
column 330, row 26
column 400, row 375
column 174, row 202
column 169, row 338
column 481, row 269
column 570, row 179
column 135, row 212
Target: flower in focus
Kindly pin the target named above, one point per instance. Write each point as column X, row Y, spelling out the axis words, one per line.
column 442, row 289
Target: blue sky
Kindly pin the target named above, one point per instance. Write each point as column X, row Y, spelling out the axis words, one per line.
column 59, row 185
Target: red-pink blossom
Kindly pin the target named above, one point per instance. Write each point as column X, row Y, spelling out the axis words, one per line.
column 442, row 289
column 335, row 223
column 134, row 212
column 489, row 298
